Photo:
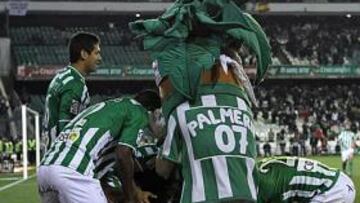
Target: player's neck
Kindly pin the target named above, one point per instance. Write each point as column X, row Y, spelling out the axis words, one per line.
column 80, row 68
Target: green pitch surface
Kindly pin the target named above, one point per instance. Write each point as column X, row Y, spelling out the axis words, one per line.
column 13, row 189
column 26, row 192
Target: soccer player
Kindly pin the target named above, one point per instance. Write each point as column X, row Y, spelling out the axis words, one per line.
column 69, row 169
column 291, row 180
column 346, row 140
column 145, row 175
column 212, row 141
column 67, row 94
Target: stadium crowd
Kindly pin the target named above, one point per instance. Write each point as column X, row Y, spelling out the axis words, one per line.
column 307, row 113
column 311, row 41
column 296, row 41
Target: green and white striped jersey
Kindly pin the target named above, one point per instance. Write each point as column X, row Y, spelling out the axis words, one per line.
column 66, row 97
column 106, row 162
column 346, row 139
column 144, row 150
column 107, row 171
column 88, row 141
column 288, row 179
column 212, row 139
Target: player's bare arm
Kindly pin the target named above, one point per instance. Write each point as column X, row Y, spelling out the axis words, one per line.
column 126, row 166
column 163, row 167
column 132, row 193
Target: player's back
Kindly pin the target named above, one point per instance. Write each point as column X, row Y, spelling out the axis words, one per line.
column 215, row 147
column 287, row 179
column 94, row 131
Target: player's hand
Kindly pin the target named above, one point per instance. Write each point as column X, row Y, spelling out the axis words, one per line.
column 129, row 201
column 144, row 196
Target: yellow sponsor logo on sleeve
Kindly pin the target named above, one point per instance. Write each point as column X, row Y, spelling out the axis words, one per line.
column 73, row 136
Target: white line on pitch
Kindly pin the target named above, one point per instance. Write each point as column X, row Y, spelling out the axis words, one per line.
column 11, row 178
column 15, row 183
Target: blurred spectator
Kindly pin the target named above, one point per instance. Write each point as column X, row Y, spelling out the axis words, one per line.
column 271, row 135
column 282, row 141
column 3, row 106
column 267, row 149
column 31, row 150
column 9, row 148
column 18, row 149
column 302, row 141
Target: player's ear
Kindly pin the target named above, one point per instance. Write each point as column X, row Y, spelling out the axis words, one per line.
column 84, row 54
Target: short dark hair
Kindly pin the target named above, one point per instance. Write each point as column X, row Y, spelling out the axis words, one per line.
column 149, row 99
column 80, row 41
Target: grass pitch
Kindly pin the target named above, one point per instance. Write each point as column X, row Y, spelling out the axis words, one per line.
column 26, row 191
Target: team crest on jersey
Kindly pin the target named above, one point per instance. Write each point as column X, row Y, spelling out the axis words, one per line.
column 75, row 107
column 309, row 165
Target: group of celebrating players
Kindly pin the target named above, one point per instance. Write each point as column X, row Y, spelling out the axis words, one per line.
column 104, row 153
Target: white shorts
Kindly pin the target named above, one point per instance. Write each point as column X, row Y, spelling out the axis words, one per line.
column 342, row 192
column 346, row 154
column 58, row 184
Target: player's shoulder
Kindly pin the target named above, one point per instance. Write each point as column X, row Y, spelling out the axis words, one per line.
column 119, row 100
column 126, row 102
column 74, row 84
column 126, row 106
column 266, row 162
column 280, row 161
column 67, row 78
column 135, row 107
column 130, row 102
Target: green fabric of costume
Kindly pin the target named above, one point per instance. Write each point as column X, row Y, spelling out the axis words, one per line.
column 189, row 36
